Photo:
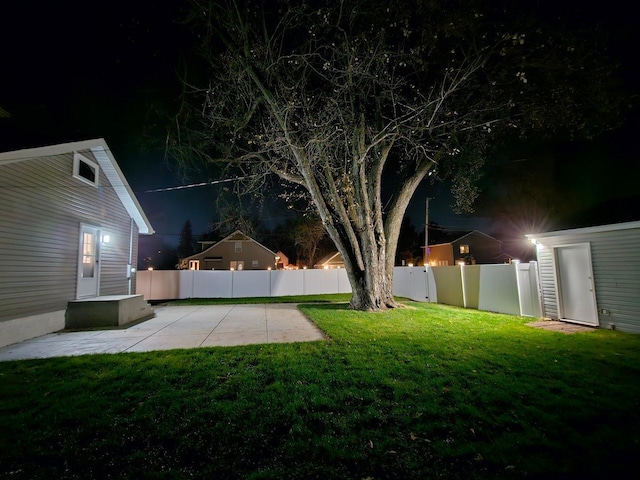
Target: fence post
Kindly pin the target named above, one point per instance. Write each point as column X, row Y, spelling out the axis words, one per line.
column 464, row 292
column 516, row 264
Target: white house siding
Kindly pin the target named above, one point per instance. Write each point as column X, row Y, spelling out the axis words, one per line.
column 615, row 257
column 41, row 208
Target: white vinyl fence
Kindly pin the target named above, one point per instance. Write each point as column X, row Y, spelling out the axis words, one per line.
column 175, row 284
column 509, row 289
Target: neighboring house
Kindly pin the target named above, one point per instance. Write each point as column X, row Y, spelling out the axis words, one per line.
column 591, row 275
column 235, row 252
column 333, row 260
column 283, row 261
column 471, row 248
column 69, row 226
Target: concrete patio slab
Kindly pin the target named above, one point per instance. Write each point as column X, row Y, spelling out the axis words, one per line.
column 220, row 339
column 190, row 326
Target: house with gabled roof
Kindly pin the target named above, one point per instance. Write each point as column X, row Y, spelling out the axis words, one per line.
column 69, row 226
column 472, row 247
column 237, row 251
column 332, row 260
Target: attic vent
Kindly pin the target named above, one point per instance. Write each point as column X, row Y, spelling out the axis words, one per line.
column 85, row 169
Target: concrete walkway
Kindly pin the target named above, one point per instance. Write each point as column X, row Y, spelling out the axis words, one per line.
column 178, row 327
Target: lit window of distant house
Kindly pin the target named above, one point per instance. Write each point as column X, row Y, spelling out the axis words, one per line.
column 464, row 248
column 254, row 264
column 236, row 265
column 238, row 247
column 85, row 169
column 194, row 264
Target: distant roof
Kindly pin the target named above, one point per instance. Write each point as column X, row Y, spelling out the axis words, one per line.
column 236, row 236
column 108, row 164
column 333, row 257
column 453, row 236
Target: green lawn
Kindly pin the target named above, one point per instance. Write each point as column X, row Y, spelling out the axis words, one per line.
column 427, row 391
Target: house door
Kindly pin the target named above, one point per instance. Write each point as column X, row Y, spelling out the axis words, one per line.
column 88, row 262
column 576, row 289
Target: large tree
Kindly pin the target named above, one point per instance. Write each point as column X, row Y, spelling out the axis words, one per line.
column 351, row 104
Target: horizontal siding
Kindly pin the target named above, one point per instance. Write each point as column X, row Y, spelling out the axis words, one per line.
column 41, row 208
column 615, row 257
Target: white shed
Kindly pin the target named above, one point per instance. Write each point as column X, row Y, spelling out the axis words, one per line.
column 591, row 275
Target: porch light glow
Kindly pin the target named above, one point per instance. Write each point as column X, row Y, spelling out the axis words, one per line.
column 409, row 264
column 150, row 268
column 106, row 239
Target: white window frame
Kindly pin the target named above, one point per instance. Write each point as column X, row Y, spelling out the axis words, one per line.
column 254, row 263
column 238, row 247
column 77, row 158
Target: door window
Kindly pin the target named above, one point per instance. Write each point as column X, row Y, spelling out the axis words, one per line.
column 88, row 255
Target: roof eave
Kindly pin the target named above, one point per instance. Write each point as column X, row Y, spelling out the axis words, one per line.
column 109, row 166
column 586, row 230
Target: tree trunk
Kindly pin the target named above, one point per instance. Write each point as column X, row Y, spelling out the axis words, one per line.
column 371, row 286
column 372, row 289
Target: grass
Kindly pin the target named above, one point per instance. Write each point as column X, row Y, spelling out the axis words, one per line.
column 427, row 391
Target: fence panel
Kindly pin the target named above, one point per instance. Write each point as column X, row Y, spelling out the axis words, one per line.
column 499, row 289
column 449, row 285
column 471, row 284
column 288, row 282
column 530, row 301
column 212, row 284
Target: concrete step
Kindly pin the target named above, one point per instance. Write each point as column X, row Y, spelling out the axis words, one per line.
column 107, row 311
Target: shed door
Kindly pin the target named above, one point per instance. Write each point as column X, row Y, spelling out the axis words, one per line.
column 575, row 284
column 88, row 262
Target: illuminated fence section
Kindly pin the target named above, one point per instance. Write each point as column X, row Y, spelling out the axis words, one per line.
column 179, row 284
column 509, row 289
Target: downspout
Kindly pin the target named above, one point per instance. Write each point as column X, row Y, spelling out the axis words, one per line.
column 129, row 266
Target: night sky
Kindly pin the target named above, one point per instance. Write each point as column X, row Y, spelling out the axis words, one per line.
column 73, row 71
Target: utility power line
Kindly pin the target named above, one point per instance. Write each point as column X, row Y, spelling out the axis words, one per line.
column 201, row 184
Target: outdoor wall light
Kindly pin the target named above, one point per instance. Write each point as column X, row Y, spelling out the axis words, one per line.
column 133, row 269
column 268, row 268
column 106, row 239
column 409, row 264
column 534, row 241
column 150, row 268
